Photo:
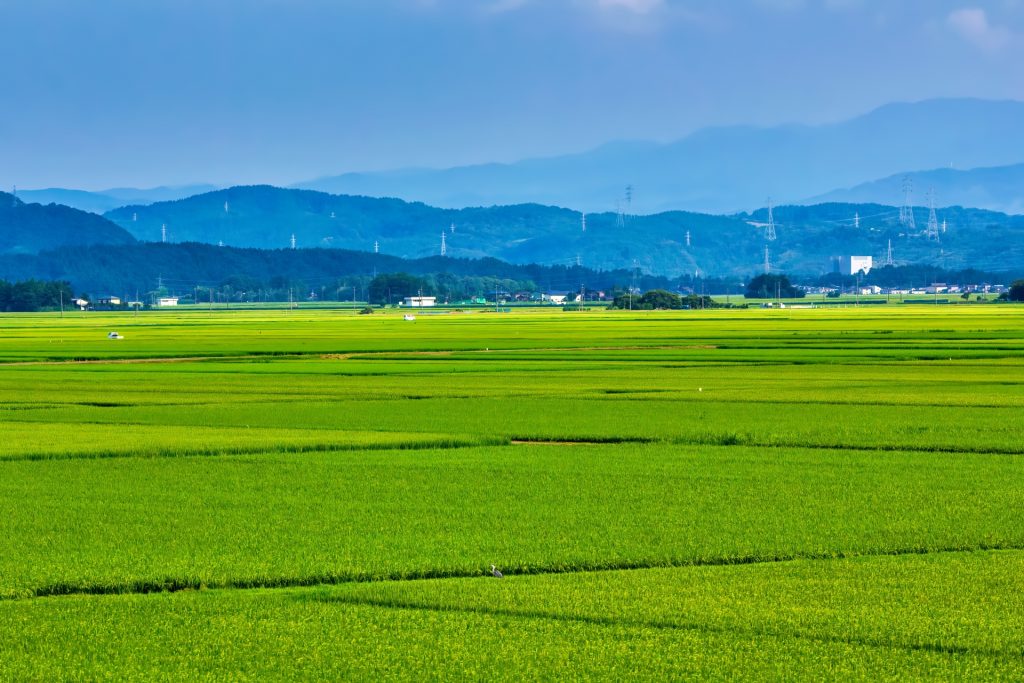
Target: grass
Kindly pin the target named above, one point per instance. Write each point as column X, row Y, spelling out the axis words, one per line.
column 813, row 493
column 891, row 618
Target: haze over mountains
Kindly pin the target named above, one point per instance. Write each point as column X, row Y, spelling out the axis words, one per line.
column 105, row 200
column 1000, row 188
column 723, row 170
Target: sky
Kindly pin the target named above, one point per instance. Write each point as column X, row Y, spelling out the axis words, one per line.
column 113, row 93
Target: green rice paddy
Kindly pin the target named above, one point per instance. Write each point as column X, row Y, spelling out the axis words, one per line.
column 759, row 494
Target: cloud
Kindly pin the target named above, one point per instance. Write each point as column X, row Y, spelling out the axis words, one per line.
column 635, row 6
column 972, row 24
column 499, row 6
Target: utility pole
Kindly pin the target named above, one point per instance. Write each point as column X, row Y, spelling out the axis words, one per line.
column 632, row 285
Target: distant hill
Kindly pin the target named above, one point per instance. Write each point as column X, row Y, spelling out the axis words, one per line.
column 105, row 200
column 724, row 169
column 1000, row 188
column 973, row 238
column 30, row 228
column 266, row 217
column 726, row 246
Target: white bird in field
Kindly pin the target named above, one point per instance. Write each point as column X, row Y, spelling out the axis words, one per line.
column 495, row 573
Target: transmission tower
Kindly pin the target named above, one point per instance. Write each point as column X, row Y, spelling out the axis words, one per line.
column 767, row 261
column 620, row 216
column 583, row 221
column 932, row 231
column 943, row 226
column 629, row 201
column 907, row 210
column 888, row 255
column 687, row 238
column 444, row 248
column 769, row 230
column 452, row 228
column 163, row 232
column 226, row 207
column 856, row 221
column 14, row 195
column 376, row 247
column 293, row 240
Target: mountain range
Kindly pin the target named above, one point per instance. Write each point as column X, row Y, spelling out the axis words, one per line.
column 727, row 169
column 669, row 243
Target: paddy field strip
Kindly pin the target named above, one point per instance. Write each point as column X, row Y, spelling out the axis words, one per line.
column 732, row 494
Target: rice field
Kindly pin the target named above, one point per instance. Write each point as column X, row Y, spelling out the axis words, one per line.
column 759, row 494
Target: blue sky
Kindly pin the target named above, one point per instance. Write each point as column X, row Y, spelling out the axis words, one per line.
column 140, row 93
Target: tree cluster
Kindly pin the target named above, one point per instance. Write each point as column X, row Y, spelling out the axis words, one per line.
column 660, row 299
column 771, row 286
column 33, row 295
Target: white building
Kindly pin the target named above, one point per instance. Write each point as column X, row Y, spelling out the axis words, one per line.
column 851, row 265
column 420, row 301
column 167, row 301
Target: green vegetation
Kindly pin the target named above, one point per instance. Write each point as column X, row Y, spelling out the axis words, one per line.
column 747, row 493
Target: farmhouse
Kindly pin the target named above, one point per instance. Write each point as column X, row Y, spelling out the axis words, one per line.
column 554, row 297
column 167, row 301
column 420, row 301
column 109, row 301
